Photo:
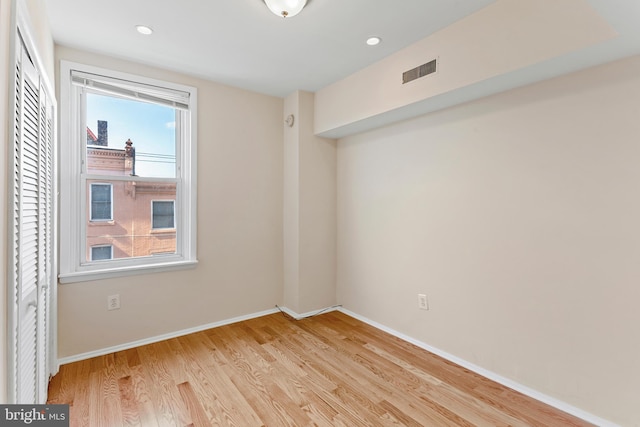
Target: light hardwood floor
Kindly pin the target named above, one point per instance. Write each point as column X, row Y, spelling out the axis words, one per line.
column 329, row 370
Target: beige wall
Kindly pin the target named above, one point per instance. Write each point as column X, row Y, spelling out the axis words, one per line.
column 291, row 203
column 317, row 212
column 469, row 52
column 309, row 210
column 515, row 214
column 240, row 167
column 518, row 216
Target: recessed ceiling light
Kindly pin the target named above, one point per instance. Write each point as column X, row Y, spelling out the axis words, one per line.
column 372, row 41
column 143, row 29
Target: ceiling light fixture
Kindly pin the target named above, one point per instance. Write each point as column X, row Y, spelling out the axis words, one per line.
column 286, row 8
column 143, row 29
column 372, row 41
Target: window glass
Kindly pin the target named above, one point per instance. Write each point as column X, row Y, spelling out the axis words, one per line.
column 137, row 140
column 141, row 135
column 101, row 202
column 162, row 212
column 100, row 253
column 130, row 230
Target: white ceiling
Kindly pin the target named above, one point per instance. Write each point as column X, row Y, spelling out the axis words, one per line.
column 241, row 43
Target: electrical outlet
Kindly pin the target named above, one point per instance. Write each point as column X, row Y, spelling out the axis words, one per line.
column 113, row 302
column 423, row 302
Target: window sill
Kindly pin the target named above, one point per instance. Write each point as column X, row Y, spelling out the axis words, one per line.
column 93, row 223
column 163, row 231
column 108, row 273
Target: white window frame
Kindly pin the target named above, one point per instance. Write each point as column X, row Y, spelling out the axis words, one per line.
column 73, row 219
column 91, row 218
column 173, row 226
column 102, row 246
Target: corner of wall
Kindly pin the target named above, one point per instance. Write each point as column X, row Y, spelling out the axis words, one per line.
column 309, row 209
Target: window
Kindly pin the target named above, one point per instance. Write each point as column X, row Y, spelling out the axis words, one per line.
column 101, row 209
column 100, row 253
column 129, row 143
column 162, row 215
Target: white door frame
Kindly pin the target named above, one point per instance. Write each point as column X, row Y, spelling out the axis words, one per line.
column 20, row 20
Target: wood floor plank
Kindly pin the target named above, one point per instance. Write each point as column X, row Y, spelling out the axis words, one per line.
column 465, row 405
column 143, row 396
column 267, row 399
column 344, row 413
column 222, row 400
column 334, row 358
column 189, row 397
column 328, row 370
column 402, row 417
column 271, row 367
column 443, row 368
column 133, row 358
column 169, row 407
column 61, row 388
column 56, row 384
column 319, row 411
column 104, row 401
column 128, row 402
column 79, row 409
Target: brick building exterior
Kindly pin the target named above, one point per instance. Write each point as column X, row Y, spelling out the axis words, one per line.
column 125, row 218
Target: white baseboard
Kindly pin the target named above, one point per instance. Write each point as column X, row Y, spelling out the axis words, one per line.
column 565, row 407
column 551, row 401
column 158, row 338
column 298, row 316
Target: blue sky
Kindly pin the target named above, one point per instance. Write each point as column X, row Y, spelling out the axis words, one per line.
column 151, row 127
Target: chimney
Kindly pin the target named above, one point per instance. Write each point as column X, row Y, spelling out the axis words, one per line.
column 130, row 158
column 103, row 134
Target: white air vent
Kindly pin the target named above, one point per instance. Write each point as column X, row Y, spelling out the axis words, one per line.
column 420, row 71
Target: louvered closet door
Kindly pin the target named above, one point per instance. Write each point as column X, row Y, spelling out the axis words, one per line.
column 45, row 241
column 32, row 229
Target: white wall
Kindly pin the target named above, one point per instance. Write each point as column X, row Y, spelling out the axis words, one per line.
column 518, row 215
column 5, row 25
column 41, row 33
column 240, row 167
